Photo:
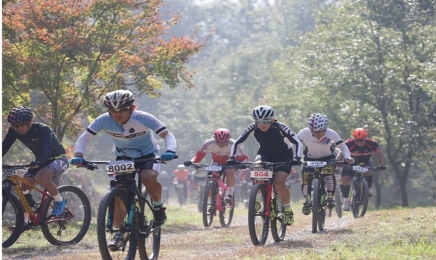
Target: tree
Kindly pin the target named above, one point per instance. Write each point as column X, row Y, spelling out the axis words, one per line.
column 372, row 60
column 61, row 57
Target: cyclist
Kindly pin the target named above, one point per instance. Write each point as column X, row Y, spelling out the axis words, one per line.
column 50, row 161
column 219, row 147
column 181, row 175
column 361, row 148
column 318, row 139
column 131, row 132
column 274, row 140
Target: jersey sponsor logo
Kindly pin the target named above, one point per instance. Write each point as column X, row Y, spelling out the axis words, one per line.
column 131, row 130
column 324, row 140
column 121, row 136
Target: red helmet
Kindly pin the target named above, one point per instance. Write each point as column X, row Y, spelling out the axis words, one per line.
column 221, row 135
column 360, row 133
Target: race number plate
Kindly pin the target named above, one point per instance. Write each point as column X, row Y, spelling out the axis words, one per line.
column 316, row 163
column 9, row 172
column 261, row 174
column 120, row 166
column 358, row 168
column 213, row 168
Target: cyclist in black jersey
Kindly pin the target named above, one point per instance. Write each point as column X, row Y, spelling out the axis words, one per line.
column 51, row 160
column 275, row 145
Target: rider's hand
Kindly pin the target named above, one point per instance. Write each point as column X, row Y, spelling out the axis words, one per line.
column 231, row 161
column 78, row 160
column 187, row 163
column 349, row 160
column 168, row 155
column 297, row 160
column 35, row 164
column 382, row 168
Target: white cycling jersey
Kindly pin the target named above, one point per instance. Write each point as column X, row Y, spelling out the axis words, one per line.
column 132, row 139
column 319, row 148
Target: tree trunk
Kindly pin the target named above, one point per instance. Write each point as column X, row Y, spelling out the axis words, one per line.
column 402, row 183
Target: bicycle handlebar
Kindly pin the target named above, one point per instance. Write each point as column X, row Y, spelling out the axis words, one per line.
column 15, row 167
column 245, row 165
column 92, row 165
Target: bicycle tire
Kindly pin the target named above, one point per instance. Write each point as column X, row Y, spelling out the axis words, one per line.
column 105, row 230
column 315, row 204
column 148, row 243
column 226, row 214
column 67, row 230
column 278, row 228
column 209, row 205
column 12, row 215
column 258, row 223
column 338, row 199
column 362, row 198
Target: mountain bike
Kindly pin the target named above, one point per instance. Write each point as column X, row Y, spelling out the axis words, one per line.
column 214, row 196
column 359, row 190
column 317, row 199
column 126, row 201
column 338, row 197
column 68, row 228
column 264, row 205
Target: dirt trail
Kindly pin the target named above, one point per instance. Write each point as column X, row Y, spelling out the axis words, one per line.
column 210, row 243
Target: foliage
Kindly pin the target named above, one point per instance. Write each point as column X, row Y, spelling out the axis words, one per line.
column 373, row 69
column 61, row 57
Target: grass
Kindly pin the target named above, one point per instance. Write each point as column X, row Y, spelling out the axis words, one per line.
column 400, row 233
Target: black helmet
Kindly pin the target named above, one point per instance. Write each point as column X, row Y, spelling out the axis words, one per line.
column 20, row 115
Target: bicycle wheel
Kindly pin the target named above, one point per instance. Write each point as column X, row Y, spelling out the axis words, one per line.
column 359, row 203
column 321, row 212
column 71, row 226
column 226, row 215
column 315, row 205
column 338, row 199
column 148, row 236
column 111, row 218
column 278, row 228
column 12, row 216
column 209, row 203
column 258, row 223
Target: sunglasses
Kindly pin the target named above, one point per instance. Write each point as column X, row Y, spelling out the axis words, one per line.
column 359, row 140
column 119, row 110
column 263, row 122
column 318, row 132
column 19, row 126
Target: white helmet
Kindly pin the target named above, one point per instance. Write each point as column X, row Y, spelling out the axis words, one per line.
column 118, row 99
column 317, row 122
column 263, row 112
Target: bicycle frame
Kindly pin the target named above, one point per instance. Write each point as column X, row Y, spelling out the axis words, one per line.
column 35, row 219
column 218, row 178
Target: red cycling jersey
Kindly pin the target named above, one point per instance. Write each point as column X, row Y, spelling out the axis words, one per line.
column 362, row 153
column 219, row 154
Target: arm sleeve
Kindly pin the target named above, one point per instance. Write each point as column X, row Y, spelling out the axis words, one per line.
column 83, row 141
column 241, row 139
column 198, row 157
column 344, row 150
column 292, row 138
column 8, row 142
column 170, row 142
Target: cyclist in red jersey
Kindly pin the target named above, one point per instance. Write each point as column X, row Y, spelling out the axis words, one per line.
column 219, row 147
column 361, row 147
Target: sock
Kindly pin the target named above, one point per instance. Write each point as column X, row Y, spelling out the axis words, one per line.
column 287, row 205
column 230, row 190
column 157, row 204
column 57, row 197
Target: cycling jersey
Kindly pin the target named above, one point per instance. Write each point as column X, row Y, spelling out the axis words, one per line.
column 274, row 144
column 219, row 154
column 40, row 139
column 181, row 175
column 132, row 139
column 319, row 148
column 362, row 154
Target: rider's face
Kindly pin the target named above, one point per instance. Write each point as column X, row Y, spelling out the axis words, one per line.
column 360, row 142
column 22, row 128
column 318, row 134
column 121, row 115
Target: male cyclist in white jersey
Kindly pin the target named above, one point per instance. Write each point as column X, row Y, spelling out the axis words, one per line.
column 274, row 140
column 318, row 139
column 132, row 133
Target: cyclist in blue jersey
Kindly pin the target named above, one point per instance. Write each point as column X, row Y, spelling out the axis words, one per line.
column 132, row 134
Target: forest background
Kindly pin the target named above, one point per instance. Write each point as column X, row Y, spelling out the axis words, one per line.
column 198, row 66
